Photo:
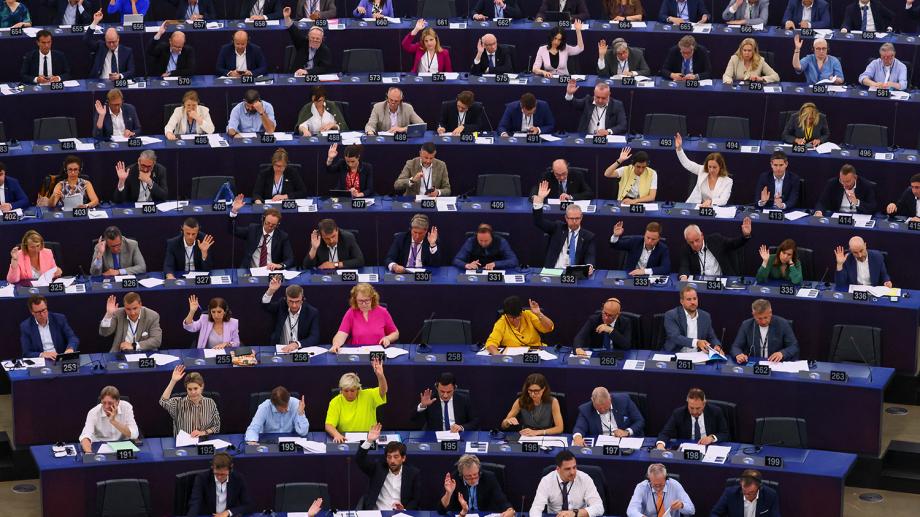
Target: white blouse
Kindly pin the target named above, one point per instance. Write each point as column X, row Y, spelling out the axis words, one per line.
column 317, row 121
column 702, row 192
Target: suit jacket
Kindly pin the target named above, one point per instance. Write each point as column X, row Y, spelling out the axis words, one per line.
column 148, row 335
column 731, row 504
column 499, row 252
column 432, row 418
column 326, row 9
column 158, row 192
column 205, row 9
column 674, row 61
column 83, row 16
column 659, row 260
column 675, row 329
column 130, row 259
column 440, row 180
column 203, row 499
column 159, row 53
column 723, row 248
column 820, row 14
column 450, row 117
column 909, row 18
column 558, row 231
column 129, row 114
column 680, row 425
column 307, row 321
column 61, row 334
column 790, row 193
column 780, row 338
column 124, row 61
column 695, row 10
column 410, row 491
column 614, row 115
column 380, row 117
column 635, row 60
column 175, row 255
column 487, row 9
column 883, row 17
column 30, row 67
column 577, row 9
column 178, row 122
column 625, row 414
column 16, row 197
column 833, row 194
column 761, row 12
column 511, row 119
column 793, row 130
column 489, row 495
column 322, row 58
column 203, row 326
column 575, row 186
column 291, row 184
column 255, row 60
column 271, row 9
column 907, row 203
column 878, row 273
column 365, row 174
column 620, row 338
column 280, row 252
column 349, row 254
column 400, row 249
column 504, row 62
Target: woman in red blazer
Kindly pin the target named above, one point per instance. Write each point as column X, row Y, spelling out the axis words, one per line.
column 429, row 56
column 31, row 260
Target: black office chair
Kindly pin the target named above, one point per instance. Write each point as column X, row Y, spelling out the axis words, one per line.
column 2, row 131
column 182, row 491
column 560, row 397
column 168, row 110
column 636, row 339
column 728, row 127
column 206, row 187
column 665, row 124
column 729, row 409
column 261, row 396
column 55, row 248
column 787, row 431
column 511, row 50
column 345, row 108
column 866, row 135
column 675, row 477
column 287, row 63
column 856, row 344
column 806, row 257
column 53, row 128
column 659, row 336
column 123, row 498
column 770, row 57
column 499, row 470
column 803, row 194
column 502, row 185
column 436, row 9
column 294, row 497
column 362, row 60
column 597, row 475
column 447, row 332
column 641, row 401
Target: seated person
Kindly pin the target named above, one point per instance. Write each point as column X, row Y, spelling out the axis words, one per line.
column 74, row 191
column 807, row 14
column 607, row 414
column 14, row 14
column 621, row 59
column 553, row 58
column 217, row 329
column 46, row 334
column 12, row 196
column 659, row 491
column 604, row 330
column 191, row 118
column 133, row 328
column 392, row 115
column 492, row 58
column 332, row 248
column 569, row 243
column 765, row 336
column 749, row 493
column 240, row 58
column 196, row 10
column 696, row 422
column 819, row 66
column 42, row 65
column 424, row 174
column 354, row 410
column 688, row 328
column 581, row 493
column 638, row 182
column 234, row 498
column 865, row 16
column 623, row 10
column 417, row 248
column 118, row 118
column 807, row 127
column 313, row 56
column 366, row 322
column 189, row 251
column 116, row 255
column 746, row 12
column 125, row 7
column 31, row 260
column 266, row 245
column 490, row 9
column 908, row 205
column 712, row 257
column 374, row 9
column 713, row 184
column 295, row 323
column 111, row 59
column 861, row 266
column 518, row 327
column 279, row 414
column 527, row 115
column 142, row 182
column 606, row 116
column 387, row 473
column 576, row 9
column 462, row 116
column 322, row 116
column 746, row 64
column 450, row 410
column 354, row 175
column 479, row 490
column 645, row 255
column 564, row 184
column 535, row 411
column 778, row 188
column 194, row 413
column 676, row 12
column 111, row 420
column 485, row 250
column 687, row 59
column 886, row 71
column 847, row 193
column 430, row 56
column 170, row 58
column 278, row 182
column 784, row 265
column 315, row 9
column 253, row 115
column 260, row 10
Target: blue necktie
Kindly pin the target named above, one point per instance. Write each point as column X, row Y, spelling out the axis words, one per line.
column 499, row 12
column 865, row 17
column 474, row 507
column 116, row 261
column 572, row 242
column 606, row 341
column 685, row 69
column 446, row 417
column 491, row 63
column 562, row 186
column 113, row 63
column 173, row 59
column 696, row 429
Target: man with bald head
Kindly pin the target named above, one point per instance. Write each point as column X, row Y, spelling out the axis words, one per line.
column 569, row 243
column 241, row 58
column 607, row 414
column 392, row 115
column 565, row 184
column 112, row 61
column 712, row 255
column 861, row 266
column 491, row 58
column 601, row 115
column 605, row 330
column 172, row 57
column 313, row 55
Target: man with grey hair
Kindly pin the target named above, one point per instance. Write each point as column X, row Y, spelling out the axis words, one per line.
column 659, row 495
column 712, row 255
column 607, row 414
column 621, row 60
column 819, row 66
column 569, row 243
column 144, row 181
column 861, row 266
column 885, row 72
column 765, row 336
column 392, row 115
column 417, row 248
column 601, row 115
column 478, row 492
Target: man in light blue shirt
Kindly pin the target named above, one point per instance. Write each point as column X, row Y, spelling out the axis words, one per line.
column 278, row 414
column 657, row 493
column 819, row 66
column 253, row 115
column 886, row 71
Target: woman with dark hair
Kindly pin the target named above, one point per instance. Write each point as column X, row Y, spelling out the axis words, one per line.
column 623, row 10
column 553, row 58
column 536, row 411
column 194, row 413
column 354, row 175
column 517, row 327
column 783, row 265
column 320, row 119
column 216, row 329
column 713, row 186
column 73, row 191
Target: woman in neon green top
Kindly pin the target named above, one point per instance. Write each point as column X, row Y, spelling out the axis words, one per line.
column 783, row 265
column 518, row 327
column 354, row 410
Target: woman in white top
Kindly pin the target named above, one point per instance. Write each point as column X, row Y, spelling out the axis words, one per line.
column 713, row 186
column 320, row 119
column 553, row 58
column 109, row 421
column 190, row 118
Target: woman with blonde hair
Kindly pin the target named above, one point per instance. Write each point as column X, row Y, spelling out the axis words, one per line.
column 713, row 186
column 194, row 413
column 808, row 126
column 31, row 259
column 748, row 65
column 191, row 118
column 430, row 57
column 279, row 181
column 366, row 322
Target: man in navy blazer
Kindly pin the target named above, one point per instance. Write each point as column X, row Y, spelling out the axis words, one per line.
column 820, row 15
column 908, row 205
column 46, row 334
column 196, row 10
column 72, row 12
column 227, row 57
column 564, row 184
column 675, row 12
column 293, row 308
column 104, row 49
column 750, row 487
column 860, row 194
column 116, row 106
column 766, row 194
column 393, row 462
column 271, row 10
column 278, row 255
column 861, row 266
column 487, row 497
column 203, row 499
column 882, row 17
column 765, row 336
column 416, row 248
column 607, row 414
column 528, row 112
column 678, row 337
column 11, row 194
column 43, row 65
column 646, row 255
column 430, row 412
column 560, row 252
column 604, row 330
column 191, row 245
column 696, row 421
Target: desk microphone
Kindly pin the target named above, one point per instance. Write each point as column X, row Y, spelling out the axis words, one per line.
column 422, row 347
column 82, row 276
column 722, row 339
column 486, row 115
column 523, row 511
column 757, row 448
column 861, row 356
column 468, row 192
column 822, row 282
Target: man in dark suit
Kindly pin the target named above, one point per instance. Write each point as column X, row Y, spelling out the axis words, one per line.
column 232, row 55
column 861, row 266
column 610, row 414
column 820, row 15
column 564, row 184
column 117, row 113
column 604, row 330
column 713, row 255
column 72, row 12
column 315, row 9
column 696, row 422
column 645, row 255
column 847, row 193
column 688, row 328
column 296, row 323
column 43, row 65
column 388, row 475
column 908, row 205
column 312, row 54
column 489, row 9
column 577, row 9
column 491, row 58
column 910, row 16
column 11, row 194
column 779, row 189
column 270, row 10
column 765, row 336
column 171, row 57
column 600, row 114
column 749, row 489
column 46, row 334
column 332, row 248
column 478, row 491
column 621, row 60
column 855, row 17
column 410, row 249
column 188, row 251
column 196, row 10
column 464, row 115
column 675, row 12
column 266, row 245
column 527, row 115
column 111, row 60
column 686, row 60
column 203, row 499
column 141, row 182
column 450, row 410
column 485, row 250
column 569, row 243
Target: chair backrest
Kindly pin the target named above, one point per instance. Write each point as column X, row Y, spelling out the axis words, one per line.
column 728, row 127
column 560, row 397
column 447, row 332
column 55, row 248
column 498, row 469
column 803, row 193
column 287, row 63
column 769, row 56
column 168, row 110
column 185, row 482
column 2, row 131
column 664, row 124
column 206, row 187
column 636, row 339
column 294, row 497
column 867, row 135
column 363, row 60
column 786, row 431
column 729, row 409
column 511, row 50
column 856, row 344
column 641, row 401
column 504, row 185
column 437, row 9
column 784, row 117
column 123, row 498
column 259, row 397
column 658, row 334
column 345, row 108
column 52, row 128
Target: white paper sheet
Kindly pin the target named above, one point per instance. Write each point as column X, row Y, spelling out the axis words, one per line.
column 692, row 447
column 217, row 443
column 807, row 293
column 328, row 77
column 549, row 138
column 725, row 212
column 163, row 359
column 788, row 366
column 631, row 443
column 150, row 283
column 633, row 364
column 549, row 441
column 546, row 356
column 827, row 147
column 696, row 357
column 662, row 357
column 716, row 454
column 795, row 215
column 447, row 436
column 477, row 447
column 605, row 439
column 211, row 352
column 750, row 149
column 283, row 137
column 184, row 439
column 134, row 357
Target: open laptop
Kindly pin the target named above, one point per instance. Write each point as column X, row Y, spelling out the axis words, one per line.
column 416, row 130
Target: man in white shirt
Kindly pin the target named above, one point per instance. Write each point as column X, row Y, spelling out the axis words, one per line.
column 110, row 420
column 393, row 484
column 566, row 491
column 659, row 495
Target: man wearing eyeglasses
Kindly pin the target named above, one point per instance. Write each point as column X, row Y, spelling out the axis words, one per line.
column 569, row 243
column 46, row 334
column 266, row 245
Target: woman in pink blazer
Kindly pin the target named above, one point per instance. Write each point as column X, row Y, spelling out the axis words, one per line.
column 216, row 329
column 30, row 260
column 429, row 56
column 553, row 58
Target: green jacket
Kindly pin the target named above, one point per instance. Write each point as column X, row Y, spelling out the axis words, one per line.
column 771, row 272
column 331, row 106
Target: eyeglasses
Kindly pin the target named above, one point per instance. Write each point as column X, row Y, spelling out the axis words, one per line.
column 531, row 390
column 363, row 301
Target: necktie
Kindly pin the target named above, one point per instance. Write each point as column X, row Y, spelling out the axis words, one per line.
column 685, row 69
column 113, row 63
column 116, row 261
column 413, row 258
column 499, row 12
column 562, row 186
column 446, row 417
column 491, row 62
column 474, row 505
column 659, row 503
column 564, row 488
column 696, row 429
column 45, row 67
column 865, row 17
column 572, row 242
column 750, row 13
column 313, row 6
column 764, row 349
column 606, row 341
column 263, row 251
column 173, row 59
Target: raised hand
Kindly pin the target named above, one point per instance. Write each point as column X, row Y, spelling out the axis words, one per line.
column 100, row 109
column 602, row 48
column 480, row 48
column 543, row 190
column 303, row 407
column 433, row 236
column 238, row 203
column 178, row 373
column 100, row 247
column 840, row 256
column 464, row 506
column 286, row 13
column 425, row 399
column 797, row 40
column 121, row 171
column 678, row 141
column 618, row 229
column 578, row 25
column 97, row 17
column 746, row 227
column 570, row 88
column 419, row 25
column 374, row 432
column 193, row 304
column 377, row 365
column 765, row 195
column 449, row 484
column 534, row 307
column 111, row 305
column 274, row 283
column 318, row 502
column 206, row 244
column 315, row 240
column 625, row 153
column 764, row 254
